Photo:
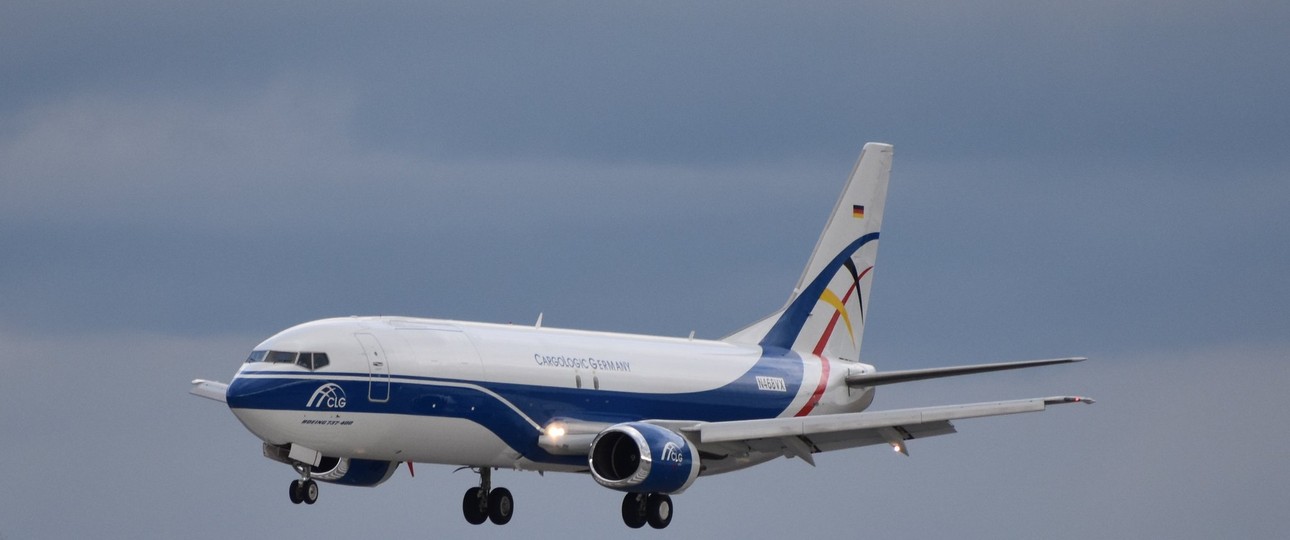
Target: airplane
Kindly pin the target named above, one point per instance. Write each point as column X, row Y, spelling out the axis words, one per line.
column 347, row 400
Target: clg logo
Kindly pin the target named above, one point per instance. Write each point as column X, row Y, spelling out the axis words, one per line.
column 672, row 454
column 329, row 395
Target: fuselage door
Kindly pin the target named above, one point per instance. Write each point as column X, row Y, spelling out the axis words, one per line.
column 378, row 368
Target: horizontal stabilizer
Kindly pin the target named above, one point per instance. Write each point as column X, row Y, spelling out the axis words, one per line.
column 210, row 390
column 891, row 377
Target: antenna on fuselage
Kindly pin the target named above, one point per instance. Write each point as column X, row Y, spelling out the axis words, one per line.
column 539, row 321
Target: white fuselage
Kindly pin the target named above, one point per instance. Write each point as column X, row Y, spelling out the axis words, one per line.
column 422, row 390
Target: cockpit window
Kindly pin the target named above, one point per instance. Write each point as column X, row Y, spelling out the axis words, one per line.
column 307, row 360
column 282, row 357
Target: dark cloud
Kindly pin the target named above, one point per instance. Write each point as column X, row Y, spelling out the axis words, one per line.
column 716, row 82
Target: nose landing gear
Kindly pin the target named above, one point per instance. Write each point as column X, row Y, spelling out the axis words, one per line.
column 484, row 503
column 305, row 489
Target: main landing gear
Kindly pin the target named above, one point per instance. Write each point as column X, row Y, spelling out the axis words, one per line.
column 642, row 508
column 304, row 490
column 484, row 503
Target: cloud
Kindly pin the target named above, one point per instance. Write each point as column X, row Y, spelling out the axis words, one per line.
column 184, row 204
column 185, row 213
column 100, row 157
column 716, row 83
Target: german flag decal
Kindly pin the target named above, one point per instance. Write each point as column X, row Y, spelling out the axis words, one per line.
column 857, row 211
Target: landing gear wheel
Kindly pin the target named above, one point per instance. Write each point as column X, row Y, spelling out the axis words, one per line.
column 475, row 506
column 309, row 492
column 295, row 493
column 634, row 510
column 501, row 506
column 658, row 508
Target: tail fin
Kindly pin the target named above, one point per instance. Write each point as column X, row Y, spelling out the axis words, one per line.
column 826, row 312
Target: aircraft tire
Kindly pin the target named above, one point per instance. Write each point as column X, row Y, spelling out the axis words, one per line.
column 658, row 510
column 294, row 493
column 309, row 492
column 634, row 510
column 475, row 506
column 501, row 506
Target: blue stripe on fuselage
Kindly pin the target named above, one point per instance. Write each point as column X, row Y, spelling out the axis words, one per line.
column 475, row 400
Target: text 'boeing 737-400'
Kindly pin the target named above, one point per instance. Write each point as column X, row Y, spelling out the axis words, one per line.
column 347, row 400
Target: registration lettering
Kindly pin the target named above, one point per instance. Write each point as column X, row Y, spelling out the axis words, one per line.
column 771, row 384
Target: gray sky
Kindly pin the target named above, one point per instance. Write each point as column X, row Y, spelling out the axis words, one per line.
column 178, row 182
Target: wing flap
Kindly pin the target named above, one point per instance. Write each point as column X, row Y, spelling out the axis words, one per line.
column 827, row 442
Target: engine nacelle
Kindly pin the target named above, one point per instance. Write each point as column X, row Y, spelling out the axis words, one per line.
column 643, row 458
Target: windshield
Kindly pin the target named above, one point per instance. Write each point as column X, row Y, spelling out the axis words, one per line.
column 307, row 360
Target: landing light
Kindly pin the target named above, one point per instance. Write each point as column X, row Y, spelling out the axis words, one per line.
column 555, row 431
column 895, row 447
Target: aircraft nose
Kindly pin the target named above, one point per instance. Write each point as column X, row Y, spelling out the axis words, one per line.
column 239, row 390
column 245, row 392
column 285, row 394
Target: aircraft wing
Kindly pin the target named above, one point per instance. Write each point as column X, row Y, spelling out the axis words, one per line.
column 209, row 390
column 806, row 435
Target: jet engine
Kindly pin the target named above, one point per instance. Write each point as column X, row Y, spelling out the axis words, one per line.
column 643, row 458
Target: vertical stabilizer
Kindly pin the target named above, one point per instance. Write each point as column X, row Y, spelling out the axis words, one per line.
column 827, row 310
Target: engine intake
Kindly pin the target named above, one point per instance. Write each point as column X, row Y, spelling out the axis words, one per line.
column 643, row 458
